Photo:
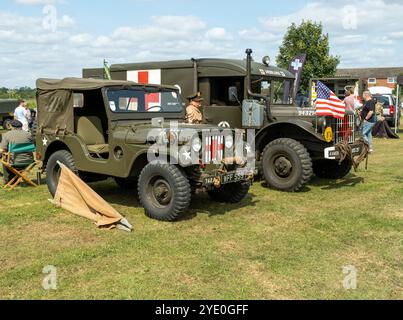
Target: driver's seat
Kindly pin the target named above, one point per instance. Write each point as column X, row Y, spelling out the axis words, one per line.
column 89, row 129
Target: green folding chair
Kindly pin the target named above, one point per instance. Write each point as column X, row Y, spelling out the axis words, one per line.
column 20, row 170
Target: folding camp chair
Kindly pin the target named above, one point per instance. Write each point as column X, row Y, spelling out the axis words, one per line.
column 20, row 170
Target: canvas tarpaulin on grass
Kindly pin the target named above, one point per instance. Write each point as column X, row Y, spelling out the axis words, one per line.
column 77, row 197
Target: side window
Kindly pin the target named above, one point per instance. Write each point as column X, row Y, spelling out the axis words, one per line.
column 220, row 88
column 78, row 100
column 282, row 92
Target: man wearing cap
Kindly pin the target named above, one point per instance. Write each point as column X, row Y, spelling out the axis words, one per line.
column 193, row 111
column 15, row 136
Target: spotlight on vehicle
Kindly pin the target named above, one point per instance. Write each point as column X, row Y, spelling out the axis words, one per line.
column 266, row 60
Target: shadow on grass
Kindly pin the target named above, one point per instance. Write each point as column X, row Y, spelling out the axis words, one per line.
column 350, row 181
column 201, row 203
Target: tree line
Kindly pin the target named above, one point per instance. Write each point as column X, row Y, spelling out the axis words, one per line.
column 20, row 93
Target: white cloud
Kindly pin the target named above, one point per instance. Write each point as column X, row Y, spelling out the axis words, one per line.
column 65, row 53
column 27, row 51
column 218, row 34
column 356, row 29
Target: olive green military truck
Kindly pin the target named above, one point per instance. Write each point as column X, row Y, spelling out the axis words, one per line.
column 291, row 142
column 7, row 108
column 137, row 135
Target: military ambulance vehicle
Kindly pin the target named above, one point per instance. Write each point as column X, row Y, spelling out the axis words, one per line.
column 124, row 130
column 7, row 108
column 291, row 143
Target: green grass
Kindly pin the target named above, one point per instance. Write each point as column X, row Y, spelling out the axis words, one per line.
column 271, row 246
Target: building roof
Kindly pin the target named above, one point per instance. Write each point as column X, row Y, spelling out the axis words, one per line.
column 363, row 73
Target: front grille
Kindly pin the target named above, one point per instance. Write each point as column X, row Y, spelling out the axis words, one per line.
column 213, row 148
column 345, row 130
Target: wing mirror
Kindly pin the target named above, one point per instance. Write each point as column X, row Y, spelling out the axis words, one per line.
column 233, row 94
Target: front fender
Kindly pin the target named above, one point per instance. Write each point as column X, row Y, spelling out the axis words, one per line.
column 298, row 130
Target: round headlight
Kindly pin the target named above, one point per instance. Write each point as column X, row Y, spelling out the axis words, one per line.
column 196, row 145
column 322, row 122
column 163, row 138
column 172, row 137
column 229, row 142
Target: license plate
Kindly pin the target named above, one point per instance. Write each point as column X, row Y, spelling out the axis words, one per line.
column 386, row 112
column 231, row 177
column 333, row 154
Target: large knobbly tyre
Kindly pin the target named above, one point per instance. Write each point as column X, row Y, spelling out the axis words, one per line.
column 286, row 165
column 128, row 183
column 332, row 169
column 230, row 193
column 164, row 192
column 53, row 169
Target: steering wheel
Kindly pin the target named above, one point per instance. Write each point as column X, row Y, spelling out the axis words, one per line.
column 157, row 109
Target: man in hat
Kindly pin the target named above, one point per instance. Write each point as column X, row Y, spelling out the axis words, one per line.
column 193, row 111
column 15, row 136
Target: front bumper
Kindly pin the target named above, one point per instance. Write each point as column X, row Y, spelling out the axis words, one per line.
column 222, row 178
column 333, row 153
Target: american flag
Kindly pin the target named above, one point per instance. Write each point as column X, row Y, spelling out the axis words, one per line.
column 327, row 103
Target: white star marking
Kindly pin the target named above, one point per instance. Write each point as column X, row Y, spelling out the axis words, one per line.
column 248, row 149
column 187, row 155
column 45, row 142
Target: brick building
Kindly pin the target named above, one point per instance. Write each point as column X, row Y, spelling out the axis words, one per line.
column 375, row 77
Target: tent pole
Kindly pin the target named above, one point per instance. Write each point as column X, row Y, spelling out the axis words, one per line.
column 397, row 111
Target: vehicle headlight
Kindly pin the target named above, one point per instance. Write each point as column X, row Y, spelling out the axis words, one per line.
column 322, row 122
column 167, row 137
column 163, row 138
column 196, row 145
column 229, row 142
column 172, row 137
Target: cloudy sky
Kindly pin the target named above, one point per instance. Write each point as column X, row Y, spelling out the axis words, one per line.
column 57, row 38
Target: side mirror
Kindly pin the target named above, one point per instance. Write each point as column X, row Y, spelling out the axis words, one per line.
column 233, row 94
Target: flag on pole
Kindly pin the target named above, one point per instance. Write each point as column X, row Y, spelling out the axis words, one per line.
column 296, row 67
column 107, row 71
column 327, row 103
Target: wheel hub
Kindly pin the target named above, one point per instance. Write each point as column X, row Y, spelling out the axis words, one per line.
column 162, row 192
column 283, row 166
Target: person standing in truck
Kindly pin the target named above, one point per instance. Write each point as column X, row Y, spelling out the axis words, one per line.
column 369, row 118
column 194, row 114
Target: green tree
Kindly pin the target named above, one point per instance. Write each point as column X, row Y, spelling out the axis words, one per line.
column 308, row 38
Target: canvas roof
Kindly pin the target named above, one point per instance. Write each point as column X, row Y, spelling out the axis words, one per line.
column 85, row 84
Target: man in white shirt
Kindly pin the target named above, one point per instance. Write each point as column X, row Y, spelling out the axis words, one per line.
column 20, row 114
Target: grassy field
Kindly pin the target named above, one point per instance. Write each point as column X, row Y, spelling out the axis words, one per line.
column 272, row 246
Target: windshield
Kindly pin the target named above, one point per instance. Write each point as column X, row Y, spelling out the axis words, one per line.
column 143, row 101
column 280, row 91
